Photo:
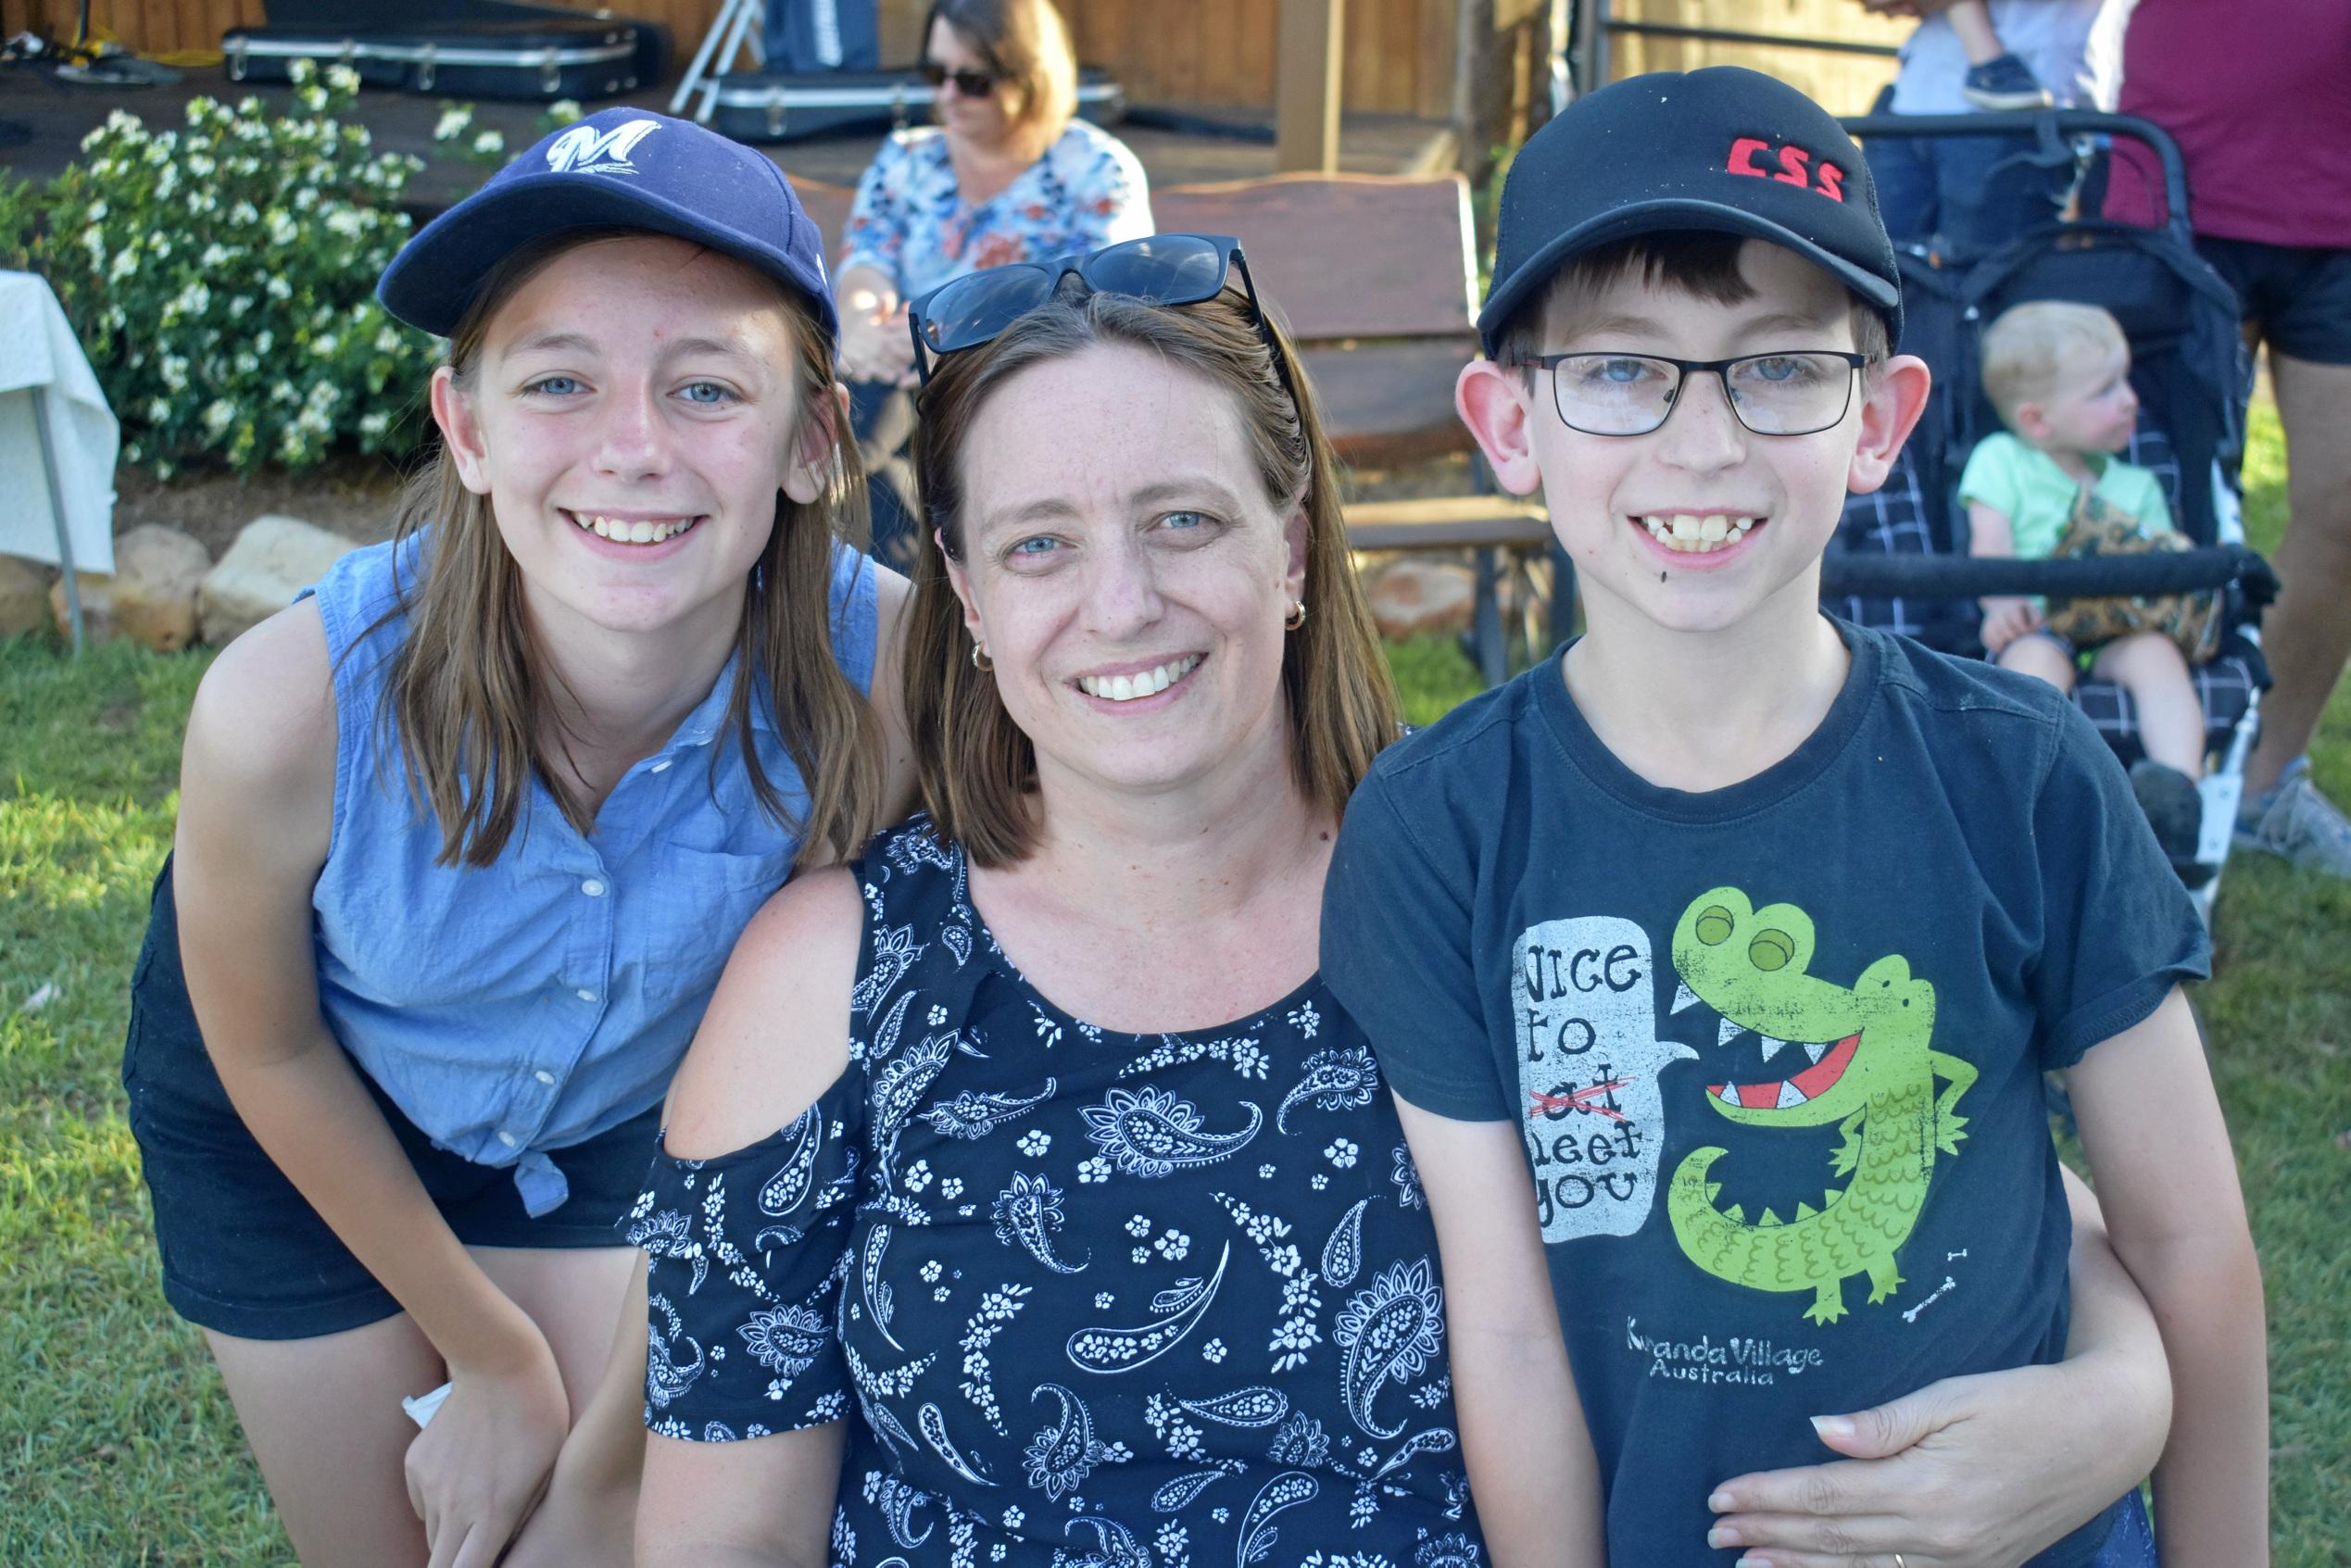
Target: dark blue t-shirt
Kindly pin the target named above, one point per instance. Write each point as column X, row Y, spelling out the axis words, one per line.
column 1776, row 1050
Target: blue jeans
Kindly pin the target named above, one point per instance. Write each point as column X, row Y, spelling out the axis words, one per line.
column 2132, row 1544
column 1960, row 190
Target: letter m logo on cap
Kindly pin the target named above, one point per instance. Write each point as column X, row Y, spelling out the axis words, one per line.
column 582, row 150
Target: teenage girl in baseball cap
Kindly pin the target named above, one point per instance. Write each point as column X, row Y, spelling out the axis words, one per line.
column 466, row 833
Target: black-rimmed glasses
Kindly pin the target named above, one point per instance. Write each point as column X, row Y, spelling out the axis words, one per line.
column 1164, row 269
column 1795, row 393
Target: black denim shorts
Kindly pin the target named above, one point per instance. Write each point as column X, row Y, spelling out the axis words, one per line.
column 243, row 1253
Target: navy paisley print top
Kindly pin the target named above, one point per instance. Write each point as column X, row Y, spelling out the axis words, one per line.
column 1101, row 1301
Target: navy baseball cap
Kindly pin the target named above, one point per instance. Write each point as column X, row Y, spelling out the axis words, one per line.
column 1726, row 149
column 628, row 169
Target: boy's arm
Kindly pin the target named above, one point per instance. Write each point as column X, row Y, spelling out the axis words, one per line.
column 2006, row 617
column 2159, row 1155
column 1529, row 1455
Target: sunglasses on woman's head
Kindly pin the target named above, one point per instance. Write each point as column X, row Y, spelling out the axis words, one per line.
column 970, row 81
column 1162, row 270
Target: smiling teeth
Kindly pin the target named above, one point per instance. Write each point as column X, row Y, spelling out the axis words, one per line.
column 1149, row 682
column 621, row 530
column 1697, row 535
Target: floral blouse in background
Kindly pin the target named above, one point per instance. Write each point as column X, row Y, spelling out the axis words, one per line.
column 912, row 225
column 1086, row 1298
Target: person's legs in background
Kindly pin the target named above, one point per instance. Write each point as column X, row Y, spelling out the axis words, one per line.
column 2300, row 304
column 1990, row 192
column 1903, row 172
column 882, row 418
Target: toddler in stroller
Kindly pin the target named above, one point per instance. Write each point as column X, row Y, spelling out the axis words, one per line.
column 2058, row 374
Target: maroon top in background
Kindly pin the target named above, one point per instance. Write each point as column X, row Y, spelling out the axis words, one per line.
column 2257, row 93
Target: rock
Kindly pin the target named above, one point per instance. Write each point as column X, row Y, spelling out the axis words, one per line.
column 24, row 596
column 272, row 560
column 151, row 598
column 98, row 606
column 1414, row 596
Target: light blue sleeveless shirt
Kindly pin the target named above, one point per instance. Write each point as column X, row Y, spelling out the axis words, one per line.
column 525, row 1006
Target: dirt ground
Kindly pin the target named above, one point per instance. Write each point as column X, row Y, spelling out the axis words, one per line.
column 348, row 494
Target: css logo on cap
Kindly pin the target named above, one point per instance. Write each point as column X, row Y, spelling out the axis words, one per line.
column 582, row 150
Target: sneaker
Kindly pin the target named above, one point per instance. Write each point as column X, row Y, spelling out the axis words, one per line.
column 2175, row 809
column 2298, row 823
column 2003, row 81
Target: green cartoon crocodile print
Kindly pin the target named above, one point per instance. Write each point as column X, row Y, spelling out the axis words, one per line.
column 1872, row 1073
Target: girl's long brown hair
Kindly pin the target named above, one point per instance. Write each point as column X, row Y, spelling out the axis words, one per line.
column 977, row 774
column 470, row 692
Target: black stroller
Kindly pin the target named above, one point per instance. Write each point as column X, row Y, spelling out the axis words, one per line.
column 1900, row 559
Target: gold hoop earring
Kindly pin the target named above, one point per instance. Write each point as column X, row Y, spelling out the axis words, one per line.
column 1296, row 618
column 980, row 662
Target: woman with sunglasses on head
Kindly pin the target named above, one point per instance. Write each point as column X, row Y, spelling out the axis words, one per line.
column 465, row 833
column 1101, row 1192
column 1007, row 174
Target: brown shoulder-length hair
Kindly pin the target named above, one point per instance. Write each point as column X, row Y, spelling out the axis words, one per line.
column 470, row 689
column 1026, row 43
column 977, row 774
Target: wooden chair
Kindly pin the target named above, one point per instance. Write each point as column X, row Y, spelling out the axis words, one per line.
column 1375, row 278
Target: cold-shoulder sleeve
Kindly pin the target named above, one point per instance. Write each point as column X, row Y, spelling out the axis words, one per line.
column 746, row 1252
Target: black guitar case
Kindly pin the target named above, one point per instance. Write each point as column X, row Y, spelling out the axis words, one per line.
column 455, row 48
column 787, row 107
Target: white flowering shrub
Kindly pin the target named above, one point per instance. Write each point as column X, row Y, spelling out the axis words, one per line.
column 221, row 276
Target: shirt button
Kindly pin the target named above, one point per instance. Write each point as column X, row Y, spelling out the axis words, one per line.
column 584, row 993
column 662, row 766
column 593, row 888
column 544, row 1076
column 507, row 1138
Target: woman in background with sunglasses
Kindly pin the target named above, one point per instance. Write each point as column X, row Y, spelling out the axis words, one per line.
column 1089, row 1236
column 1007, row 174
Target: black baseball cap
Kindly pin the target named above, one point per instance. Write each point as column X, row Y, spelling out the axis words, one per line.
column 1726, row 149
column 627, row 168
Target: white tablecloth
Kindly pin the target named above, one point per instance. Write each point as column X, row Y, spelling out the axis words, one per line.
column 39, row 358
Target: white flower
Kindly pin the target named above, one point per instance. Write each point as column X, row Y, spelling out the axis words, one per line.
column 194, row 300
column 214, row 254
column 218, row 414
column 125, row 263
column 387, row 341
column 300, row 71
column 489, row 142
column 244, row 212
column 282, row 228
column 174, row 370
column 376, row 423
column 343, row 78
column 313, row 99
column 158, row 410
column 277, row 287
column 452, row 123
column 345, row 221
column 98, row 212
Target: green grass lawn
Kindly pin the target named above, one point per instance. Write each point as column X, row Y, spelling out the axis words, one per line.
column 119, row 1447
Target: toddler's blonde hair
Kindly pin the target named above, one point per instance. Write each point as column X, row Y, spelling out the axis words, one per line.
column 2031, row 347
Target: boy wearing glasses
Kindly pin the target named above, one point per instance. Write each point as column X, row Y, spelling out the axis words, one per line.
column 1715, row 964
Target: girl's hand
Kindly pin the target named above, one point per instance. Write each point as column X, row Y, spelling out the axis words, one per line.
column 1979, row 1472
column 2005, row 618
column 476, row 1473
